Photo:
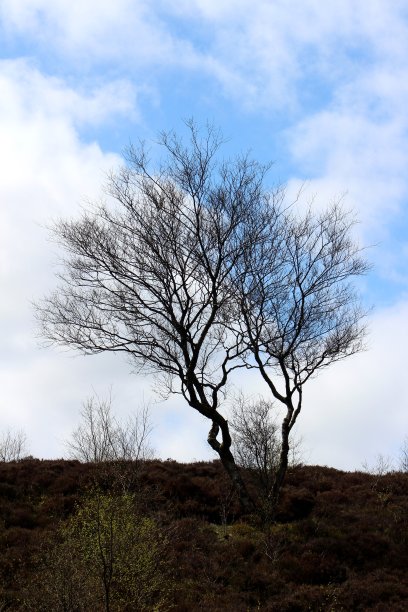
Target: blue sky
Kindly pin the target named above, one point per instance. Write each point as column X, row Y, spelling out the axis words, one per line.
column 319, row 88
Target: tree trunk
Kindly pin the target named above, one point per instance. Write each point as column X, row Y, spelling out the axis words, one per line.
column 228, row 462
column 273, row 497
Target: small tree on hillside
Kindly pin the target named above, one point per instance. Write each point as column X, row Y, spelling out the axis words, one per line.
column 102, row 437
column 124, row 552
column 193, row 271
column 256, row 439
column 107, row 556
column 258, row 444
column 13, row 445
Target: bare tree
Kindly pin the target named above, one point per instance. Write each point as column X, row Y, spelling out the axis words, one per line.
column 383, row 464
column 258, row 444
column 102, row 437
column 194, row 270
column 152, row 274
column 256, row 438
column 13, row 445
column 299, row 310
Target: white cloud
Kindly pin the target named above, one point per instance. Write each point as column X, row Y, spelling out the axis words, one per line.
column 266, row 55
column 358, row 145
column 357, row 408
column 46, row 171
column 129, row 33
column 274, row 55
column 342, row 151
column 26, row 92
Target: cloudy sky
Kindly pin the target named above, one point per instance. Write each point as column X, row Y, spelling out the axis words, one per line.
column 319, row 88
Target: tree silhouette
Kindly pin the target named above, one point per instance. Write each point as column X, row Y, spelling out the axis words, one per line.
column 193, row 270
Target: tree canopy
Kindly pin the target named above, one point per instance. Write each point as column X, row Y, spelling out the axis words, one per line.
column 193, row 268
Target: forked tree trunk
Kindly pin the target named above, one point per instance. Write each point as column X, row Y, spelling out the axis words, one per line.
column 228, row 462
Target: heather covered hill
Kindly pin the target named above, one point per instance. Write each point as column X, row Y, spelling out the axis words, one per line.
column 340, row 541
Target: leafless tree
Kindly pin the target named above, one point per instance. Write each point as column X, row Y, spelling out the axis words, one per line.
column 257, row 442
column 102, row 437
column 403, row 459
column 299, row 310
column 256, row 438
column 383, row 464
column 13, row 445
column 193, row 270
column 152, row 273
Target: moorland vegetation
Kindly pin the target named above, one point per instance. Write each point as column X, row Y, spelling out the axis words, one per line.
column 161, row 535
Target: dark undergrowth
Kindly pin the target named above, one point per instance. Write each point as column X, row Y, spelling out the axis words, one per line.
column 340, row 541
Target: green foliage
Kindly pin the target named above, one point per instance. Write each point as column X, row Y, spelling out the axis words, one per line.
column 122, row 550
column 107, row 557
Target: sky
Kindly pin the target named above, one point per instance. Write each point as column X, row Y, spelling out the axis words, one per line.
column 320, row 89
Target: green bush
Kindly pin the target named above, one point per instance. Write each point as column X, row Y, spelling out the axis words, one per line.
column 108, row 558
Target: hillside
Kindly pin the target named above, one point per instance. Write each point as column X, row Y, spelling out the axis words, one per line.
column 340, row 541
